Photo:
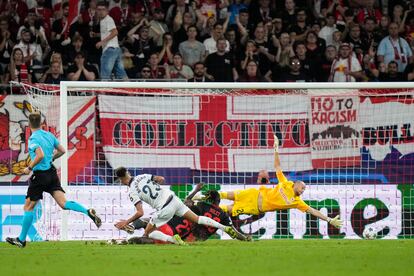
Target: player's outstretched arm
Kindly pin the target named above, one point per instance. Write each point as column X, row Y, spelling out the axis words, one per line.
column 277, row 159
column 190, row 197
column 332, row 221
column 139, row 213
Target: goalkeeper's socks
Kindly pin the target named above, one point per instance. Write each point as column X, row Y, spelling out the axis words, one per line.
column 223, row 195
column 74, row 206
column 210, row 222
column 158, row 235
column 27, row 223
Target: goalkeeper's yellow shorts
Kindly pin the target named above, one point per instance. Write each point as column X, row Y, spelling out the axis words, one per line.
column 245, row 202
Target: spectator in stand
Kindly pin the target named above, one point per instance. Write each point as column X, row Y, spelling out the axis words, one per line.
column 209, row 8
column 371, row 72
column 322, row 75
column 327, row 31
column 54, row 75
column 384, row 24
column 141, row 45
column 372, row 37
column 180, row 26
column 166, row 53
column 397, row 14
column 252, row 73
column 308, row 66
column 261, row 12
column 38, row 36
column 206, row 27
column 16, row 9
column 359, row 44
column 60, row 35
column 179, row 7
column 111, row 59
column 337, row 39
column 368, row 10
column 234, row 8
column 284, row 53
column 242, row 26
column 192, row 50
column 6, row 43
column 236, row 50
column 211, row 43
column 89, row 16
column 89, row 31
column 134, row 19
column 44, row 15
column 278, row 27
column 179, row 70
column 295, row 74
column 394, row 47
column 199, row 73
column 145, row 73
column 120, row 11
column 55, row 57
column 314, row 45
column 289, row 13
column 157, row 27
column 220, row 64
column 265, row 49
column 157, row 71
column 345, row 68
column 18, row 70
column 392, row 74
column 251, row 53
column 32, row 51
column 81, row 70
column 74, row 49
column 299, row 30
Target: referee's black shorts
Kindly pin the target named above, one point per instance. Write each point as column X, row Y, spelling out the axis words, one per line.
column 43, row 181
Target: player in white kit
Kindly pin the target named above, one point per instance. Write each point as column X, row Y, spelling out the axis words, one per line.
column 146, row 188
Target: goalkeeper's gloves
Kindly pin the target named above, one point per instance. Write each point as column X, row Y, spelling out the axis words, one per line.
column 335, row 221
column 276, row 143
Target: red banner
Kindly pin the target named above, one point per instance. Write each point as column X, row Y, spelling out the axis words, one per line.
column 215, row 133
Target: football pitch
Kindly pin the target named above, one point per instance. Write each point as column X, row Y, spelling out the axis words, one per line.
column 214, row 257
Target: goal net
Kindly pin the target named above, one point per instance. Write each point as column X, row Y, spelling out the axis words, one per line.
column 352, row 145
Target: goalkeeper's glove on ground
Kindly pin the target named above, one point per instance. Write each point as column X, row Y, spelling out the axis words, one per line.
column 335, row 221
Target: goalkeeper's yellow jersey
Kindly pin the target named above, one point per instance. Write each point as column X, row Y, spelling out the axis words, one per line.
column 281, row 197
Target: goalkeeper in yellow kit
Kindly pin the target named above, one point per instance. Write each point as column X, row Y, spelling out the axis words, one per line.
column 286, row 195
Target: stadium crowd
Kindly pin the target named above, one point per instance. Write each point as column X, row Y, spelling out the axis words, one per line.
column 211, row 40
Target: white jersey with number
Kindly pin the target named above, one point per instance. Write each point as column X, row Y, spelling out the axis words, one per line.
column 143, row 188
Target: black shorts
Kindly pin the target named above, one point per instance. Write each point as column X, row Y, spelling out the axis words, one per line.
column 43, row 181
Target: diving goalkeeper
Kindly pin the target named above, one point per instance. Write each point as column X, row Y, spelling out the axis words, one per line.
column 286, row 195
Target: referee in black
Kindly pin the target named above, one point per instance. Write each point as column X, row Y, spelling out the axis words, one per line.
column 43, row 149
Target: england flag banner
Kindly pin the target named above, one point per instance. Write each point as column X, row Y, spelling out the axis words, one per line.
column 218, row 133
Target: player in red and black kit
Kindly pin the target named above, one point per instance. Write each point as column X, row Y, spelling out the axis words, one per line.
column 188, row 231
column 209, row 207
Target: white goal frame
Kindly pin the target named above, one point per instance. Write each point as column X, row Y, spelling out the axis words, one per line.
column 66, row 86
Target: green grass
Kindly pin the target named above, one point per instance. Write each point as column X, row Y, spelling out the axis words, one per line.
column 214, row 257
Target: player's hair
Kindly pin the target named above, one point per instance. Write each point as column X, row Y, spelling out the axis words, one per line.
column 35, row 119
column 212, row 197
column 102, row 4
column 120, row 172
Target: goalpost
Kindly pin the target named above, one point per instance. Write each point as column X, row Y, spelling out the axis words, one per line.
column 352, row 143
